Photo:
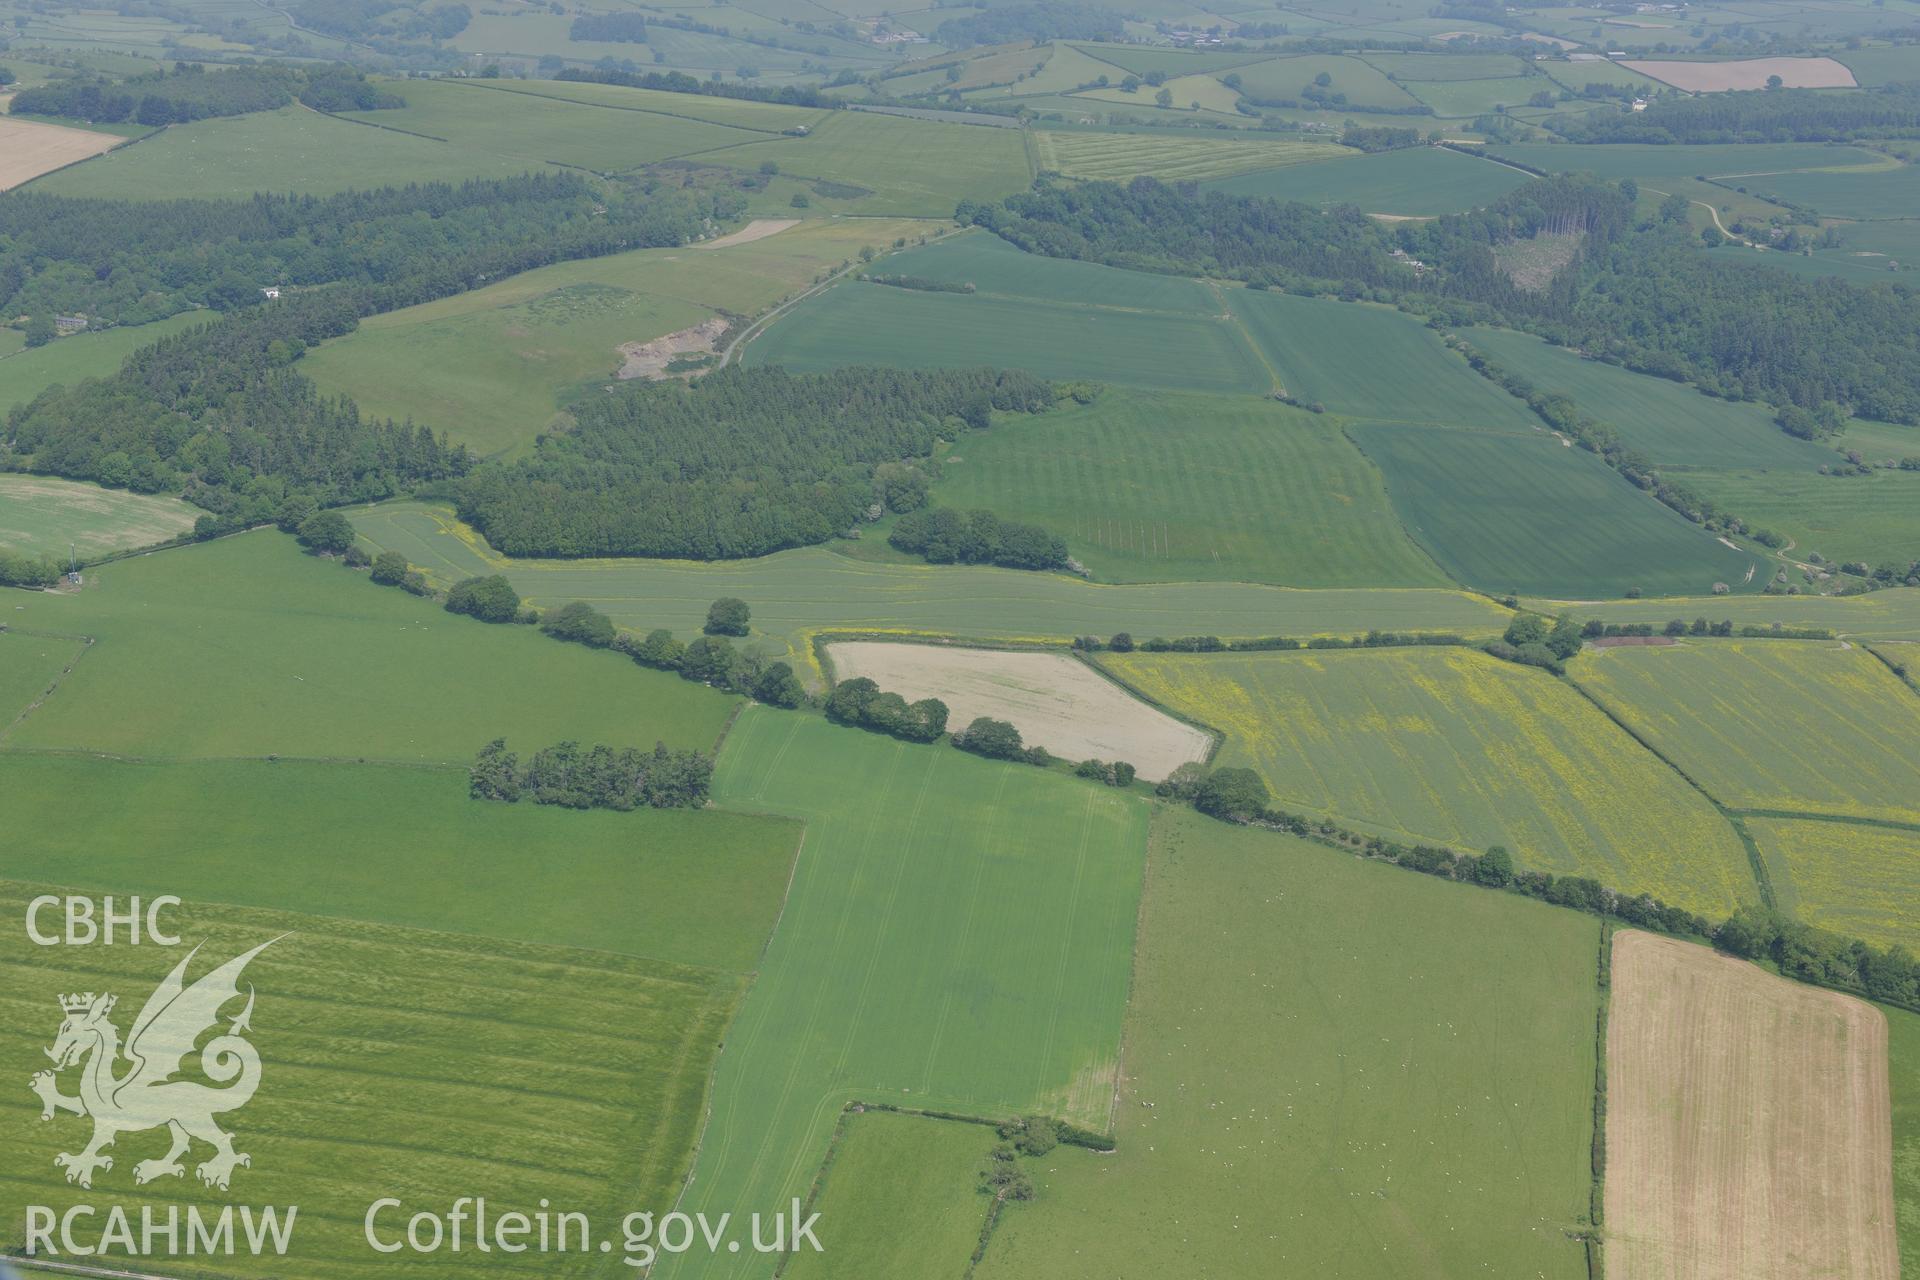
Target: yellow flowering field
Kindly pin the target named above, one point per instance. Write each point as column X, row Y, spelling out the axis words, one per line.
column 1852, row 878
column 1802, row 725
column 1447, row 745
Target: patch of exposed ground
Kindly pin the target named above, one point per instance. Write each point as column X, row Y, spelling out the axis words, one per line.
column 650, row 359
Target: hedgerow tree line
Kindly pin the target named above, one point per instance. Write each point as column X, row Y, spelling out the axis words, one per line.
column 190, row 91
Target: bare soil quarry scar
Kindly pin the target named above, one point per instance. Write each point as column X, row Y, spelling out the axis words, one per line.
column 1063, row 705
column 650, row 359
column 1749, row 1131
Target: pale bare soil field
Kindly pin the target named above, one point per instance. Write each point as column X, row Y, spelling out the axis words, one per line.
column 1056, row 702
column 29, row 148
column 1747, row 73
column 1749, row 1130
column 758, row 229
column 650, row 359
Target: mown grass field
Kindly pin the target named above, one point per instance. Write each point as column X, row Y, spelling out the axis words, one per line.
column 958, row 935
column 798, row 594
column 1802, row 726
column 44, row 515
column 403, row 847
column 901, row 1199
column 1116, row 157
column 1332, row 1068
column 292, row 149
column 492, row 366
column 1371, row 362
column 857, row 323
column 1854, row 878
column 397, row 1062
column 1453, row 747
column 25, row 374
column 1673, row 424
column 1163, row 486
column 267, row 650
column 1528, row 515
column 1415, row 182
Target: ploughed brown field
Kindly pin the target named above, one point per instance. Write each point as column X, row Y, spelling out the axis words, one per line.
column 29, row 148
column 1749, row 1135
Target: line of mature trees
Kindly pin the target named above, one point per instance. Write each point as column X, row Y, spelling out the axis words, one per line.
column 740, row 463
column 190, row 91
column 130, row 262
column 861, row 703
column 220, row 414
column 1637, row 293
column 1778, row 115
column 596, row 777
column 943, row 535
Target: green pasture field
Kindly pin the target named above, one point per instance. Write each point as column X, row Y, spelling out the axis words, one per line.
column 44, row 515
column 1286, row 77
column 1332, row 1068
column 1445, row 66
column 1790, row 726
column 915, row 168
column 901, row 1199
column 292, row 149
column 1578, row 75
column 1528, row 515
column 25, row 374
column 535, row 131
column 1903, row 1054
column 1891, row 614
column 799, row 594
column 404, row 847
column 1066, row 69
column 1882, row 64
column 1463, row 98
column 1880, row 193
column 492, row 366
column 1414, row 182
column 1858, row 879
column 1207, row 92
column 267, row 650
column 1116, row 157
column 1140, row 59
column 1450, row 746
column 958, row 936
column 761, row 117
column 29, row 665
column 1881, row 440
column 1849, row 265
column 1670, row 422
column 997, row 268
column 1845, row 518
column 856, row 323
column 1648, row 161
column 1166, row 486
column 396, row 1062
column 1372, row 362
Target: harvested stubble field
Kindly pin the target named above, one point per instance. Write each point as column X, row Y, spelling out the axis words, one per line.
column 1449, row 746
column 1747, row 1123
column 1746, row 73
column 1332, row 1068
column 1855, row 878
column 29, row 148
column 44, row 515
column 1054, row 700
column 396, row 1062
column 798, row 594
column 1802, row 726
column 1116, row 157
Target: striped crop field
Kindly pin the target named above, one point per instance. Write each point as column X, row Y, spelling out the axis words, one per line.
column 1807, row 727
column 1115, row 157
column 1449, row 746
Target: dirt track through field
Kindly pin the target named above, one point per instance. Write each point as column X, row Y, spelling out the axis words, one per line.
column 29, row 149
column 758, row 229
column 1055, row 701
column 1749, row 1130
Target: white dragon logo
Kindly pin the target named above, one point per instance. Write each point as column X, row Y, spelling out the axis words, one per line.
column 147, row 1096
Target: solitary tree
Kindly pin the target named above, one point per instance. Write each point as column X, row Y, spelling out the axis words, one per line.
column 727, row 617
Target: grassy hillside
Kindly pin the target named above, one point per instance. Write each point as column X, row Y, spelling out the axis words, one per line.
column 24, row 374
column 266, row 650
column 1806, row 726
column 1308, row 1088
column 1415, row 182
column 1450, row 746
column 1165, row 486
column 958, row 936
column 44, row 515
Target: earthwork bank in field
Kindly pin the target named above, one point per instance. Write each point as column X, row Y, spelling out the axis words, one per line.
column 1056, row 701
column 1747, row 1123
